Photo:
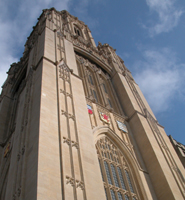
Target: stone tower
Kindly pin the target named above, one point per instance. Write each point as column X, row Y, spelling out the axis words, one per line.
column 74, row 124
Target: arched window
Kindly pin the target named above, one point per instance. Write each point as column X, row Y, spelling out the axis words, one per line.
column 77, row 31
column 116, row 174
column 97, row 84
column 106, row 94
column 92, row 86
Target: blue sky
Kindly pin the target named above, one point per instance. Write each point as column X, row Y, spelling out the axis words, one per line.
column 149, row 36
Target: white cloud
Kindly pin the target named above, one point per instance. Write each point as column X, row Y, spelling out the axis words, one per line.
column 168, row 16
column 161, row 78
column 16, row 20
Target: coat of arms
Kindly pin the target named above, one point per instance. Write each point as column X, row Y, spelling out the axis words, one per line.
column 122, row 126
column 104, row 118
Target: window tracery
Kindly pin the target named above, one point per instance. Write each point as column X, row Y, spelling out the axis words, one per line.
column 116, row 174
column 92, row 86
column 113, row 195
column 106, row 93
column 120, row 196
column 97, row 84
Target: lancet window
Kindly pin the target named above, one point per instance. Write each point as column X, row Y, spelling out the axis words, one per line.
column 97, row 84
column 116, row 173
column 77, row 31
column 93, row 90
column 106, row 91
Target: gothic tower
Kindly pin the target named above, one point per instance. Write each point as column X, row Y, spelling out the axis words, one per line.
column 74, row 124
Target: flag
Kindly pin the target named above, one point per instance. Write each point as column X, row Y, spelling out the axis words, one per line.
column 89, row 109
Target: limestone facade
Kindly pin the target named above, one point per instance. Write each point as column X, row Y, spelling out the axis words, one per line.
column 179, row 148
column 74, row 124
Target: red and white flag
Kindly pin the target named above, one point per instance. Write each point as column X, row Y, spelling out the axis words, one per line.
column 89, row 109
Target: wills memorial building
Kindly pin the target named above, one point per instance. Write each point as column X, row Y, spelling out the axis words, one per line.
column 74, row 124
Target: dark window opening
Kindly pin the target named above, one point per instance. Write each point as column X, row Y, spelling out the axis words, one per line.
column 110, row 104
column 91, row 80
column 77, row 31
column 95, row 96
column 104, row 87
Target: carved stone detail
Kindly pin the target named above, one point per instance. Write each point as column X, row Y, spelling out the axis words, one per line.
column 64, row 113
column 68, row 115
column 113, row 188
column 65, row 93
column 75, row 144
column 79, row 41
column 74, row 183
column 64, row 72
column 70, row 180
column 19, row 192
column 71, row 117
column 66, row 140
column 14, row 197
column 70, row 142
column 79, row 184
